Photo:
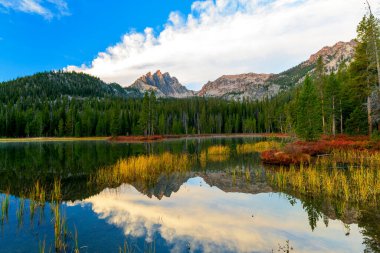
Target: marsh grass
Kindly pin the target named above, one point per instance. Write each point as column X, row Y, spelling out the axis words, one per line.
column 219, row 150
column 64, row 240
column 37, row 196
column 42, row 246
column 247, row 175
column 203, row 159
column 217, row 153
column 5, row 202
column 258, row 147
column 20, row 211
column 358, row 181
column 60, row 225
column 126, row 248
column 145, row 168
column 148, row 248
column 358, row 158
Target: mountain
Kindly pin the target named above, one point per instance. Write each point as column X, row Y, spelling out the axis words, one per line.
column 55, row 84
column 258, row 86
column 162, row 84
column 240, row 86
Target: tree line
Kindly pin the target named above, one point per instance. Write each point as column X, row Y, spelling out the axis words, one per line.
column 74, row 104
column 79, row 117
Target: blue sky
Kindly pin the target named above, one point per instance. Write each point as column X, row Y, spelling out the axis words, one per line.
column 31, row 42
column 196, row 41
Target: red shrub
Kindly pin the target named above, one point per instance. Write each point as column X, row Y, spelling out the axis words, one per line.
column 283, row 158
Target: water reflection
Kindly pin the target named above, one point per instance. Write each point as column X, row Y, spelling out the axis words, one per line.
column 208, row 219
column 193, row 195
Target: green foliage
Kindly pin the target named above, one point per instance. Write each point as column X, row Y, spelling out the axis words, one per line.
column 76, row 104
column 308, row 112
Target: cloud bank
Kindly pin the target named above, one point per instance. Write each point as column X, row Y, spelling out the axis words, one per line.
column 229, row 37
column 46, row 8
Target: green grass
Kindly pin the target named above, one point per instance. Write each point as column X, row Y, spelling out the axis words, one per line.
column 52, row 139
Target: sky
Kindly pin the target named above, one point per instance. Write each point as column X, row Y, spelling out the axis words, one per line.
column 196, row 41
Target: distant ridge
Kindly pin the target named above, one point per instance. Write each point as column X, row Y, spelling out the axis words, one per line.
column 258, row 86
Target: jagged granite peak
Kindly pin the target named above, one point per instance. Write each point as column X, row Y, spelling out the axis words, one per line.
column 259, row 86
column 162, row 84
column 341, row 52
column 239, row 86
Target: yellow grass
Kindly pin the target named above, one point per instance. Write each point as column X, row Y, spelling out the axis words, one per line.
column 52, row 139
column 257, row 147
column 218, row 150
column 146, row 168
column 360, row 183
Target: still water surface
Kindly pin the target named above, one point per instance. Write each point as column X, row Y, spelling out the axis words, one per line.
column 212, row 206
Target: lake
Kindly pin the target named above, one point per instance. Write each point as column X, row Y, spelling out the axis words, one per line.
column 194, row 195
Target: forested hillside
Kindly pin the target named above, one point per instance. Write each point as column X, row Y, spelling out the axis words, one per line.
column 73, row 104
column 66, row 116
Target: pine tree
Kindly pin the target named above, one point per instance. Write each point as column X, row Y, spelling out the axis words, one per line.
column 61, row 128
column 320, row 81
column 333, row 90
column 309, row 125
column 115, row 123
column 144, row 115
column 152, row 112
column 365, row 67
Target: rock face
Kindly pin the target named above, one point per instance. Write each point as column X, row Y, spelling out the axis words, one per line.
column 244, row 86
column 341, row 52
column 162, row 84
column 258, row 86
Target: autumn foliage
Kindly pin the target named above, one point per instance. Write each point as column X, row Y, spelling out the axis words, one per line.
column 302, row 151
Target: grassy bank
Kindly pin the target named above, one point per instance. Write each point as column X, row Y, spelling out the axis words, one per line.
column 302, row 152
column 139, row 138
column 52, row 139
column 154, row 138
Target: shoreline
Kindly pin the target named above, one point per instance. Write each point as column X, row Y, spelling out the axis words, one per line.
column 51, row 139
column 140, row 138
column 159, row 138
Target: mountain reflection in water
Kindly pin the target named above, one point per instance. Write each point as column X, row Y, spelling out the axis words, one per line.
column 206, row 218
column 210, row 195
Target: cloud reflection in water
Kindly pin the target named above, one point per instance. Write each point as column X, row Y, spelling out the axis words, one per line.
column 210, row 219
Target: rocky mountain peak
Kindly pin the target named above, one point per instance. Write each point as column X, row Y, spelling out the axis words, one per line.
column 333, row 56
column 237, row 86
column 162, row 84
column 259, row 86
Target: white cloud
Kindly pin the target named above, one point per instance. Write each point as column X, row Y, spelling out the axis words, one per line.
column 230, row 37
column 46, row 8
column 210, row 219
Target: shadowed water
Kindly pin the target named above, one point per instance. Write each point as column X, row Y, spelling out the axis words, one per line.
column 175, row 196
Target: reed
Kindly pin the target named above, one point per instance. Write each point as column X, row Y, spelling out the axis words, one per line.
column 4, row 208
column 41, row 246
column 219, row 150
column 126, row 248
column 37, row 196
column 60, row 225
column 20, row 211
column 258, row 147
column 203, row 159
column 247, row 175
column 360, row 183
column 146, row 168
column 76, row 244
